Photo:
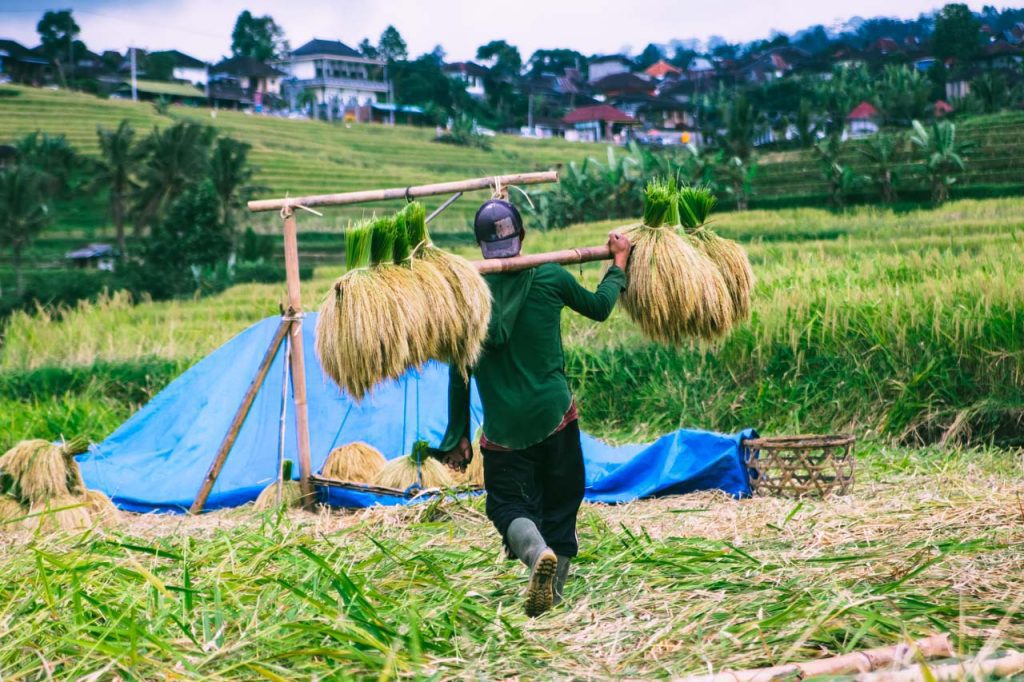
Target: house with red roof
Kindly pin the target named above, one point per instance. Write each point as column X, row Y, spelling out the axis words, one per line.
column 597, row 123
column 661, row 70
column 863, row 120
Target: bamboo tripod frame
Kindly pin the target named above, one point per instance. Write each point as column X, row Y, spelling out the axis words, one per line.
column 291, row 323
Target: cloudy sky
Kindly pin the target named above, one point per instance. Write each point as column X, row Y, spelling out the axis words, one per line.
column 203, row 27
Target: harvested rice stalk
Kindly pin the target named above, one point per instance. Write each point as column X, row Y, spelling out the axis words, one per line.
column 102, row 508
column 673, row 291
column 291, row 492
column 355, row 462
column 10, row 510
column 475, row 470
column 472, row 296
column 60, row 512
column 695, row 205
column 38, row 471
column 403, row 472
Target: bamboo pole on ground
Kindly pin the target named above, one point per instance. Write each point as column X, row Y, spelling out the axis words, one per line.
column 935, row 646
column 1011, row 664
column 239, row 419
column 346, row 198
column 298, row 361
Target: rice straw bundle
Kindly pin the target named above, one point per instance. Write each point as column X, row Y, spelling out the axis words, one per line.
column 38, row 470
column 474, row 475
column 60, row 512
column 355, row 462
column 10, row 510
column 673, row 291
column 403, row 472
column 695, row 205
column 291, row 492
column 471, row 297
column 101, row 507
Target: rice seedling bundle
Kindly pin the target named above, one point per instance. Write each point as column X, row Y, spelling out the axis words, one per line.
column 291, row 492
column 60, row 512
column 673, row 291
column 695, row 205
column 471, row 297
column 403, row 472
column 355, row 462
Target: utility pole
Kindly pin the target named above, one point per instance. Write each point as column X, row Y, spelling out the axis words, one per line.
column 391, row 96
column 135, row 94
column 529, row 112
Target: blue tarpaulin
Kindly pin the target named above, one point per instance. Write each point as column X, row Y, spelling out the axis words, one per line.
column 157, row 459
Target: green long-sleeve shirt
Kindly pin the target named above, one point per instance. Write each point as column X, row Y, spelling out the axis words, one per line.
column 521, row 372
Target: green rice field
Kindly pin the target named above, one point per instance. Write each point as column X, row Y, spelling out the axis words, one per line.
column 904, row 328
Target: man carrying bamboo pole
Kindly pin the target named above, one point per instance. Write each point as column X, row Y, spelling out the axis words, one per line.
column 533, row 460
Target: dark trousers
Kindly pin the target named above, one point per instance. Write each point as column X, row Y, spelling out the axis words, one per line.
column 543, row 483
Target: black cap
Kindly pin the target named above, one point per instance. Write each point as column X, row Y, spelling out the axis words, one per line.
column 499, row 229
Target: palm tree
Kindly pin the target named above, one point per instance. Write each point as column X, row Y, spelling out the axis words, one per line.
column 231, row 174
column 943, row 156
column 881, row 151
column 737, row 178
column 115, row 170
column 176, row 158
column 806, row 128
column 902, row 93
column 840, row 177
column 740, row 128
column 24, row 212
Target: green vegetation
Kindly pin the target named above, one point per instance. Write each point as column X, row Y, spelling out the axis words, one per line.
column 929, row 542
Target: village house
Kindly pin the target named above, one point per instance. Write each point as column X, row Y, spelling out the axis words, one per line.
column 862, row 121
column 597, row 123
column 470, row 73
column 259, row 83
column 339, row 78
column 607, row 65
column 19, row 64
column 187, row 68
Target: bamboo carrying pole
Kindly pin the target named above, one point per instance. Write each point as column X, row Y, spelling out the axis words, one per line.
column 403, row 192
column 935, row 646
column 583, row 254
column 298, row 362
column 1011, row 664
column 239, row 419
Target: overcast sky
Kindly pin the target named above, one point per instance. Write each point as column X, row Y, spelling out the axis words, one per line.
column 203, row 27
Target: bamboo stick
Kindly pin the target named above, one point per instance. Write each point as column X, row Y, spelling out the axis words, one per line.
column 403, row 192
column 583, row 254
column 236, row 424
column 1010, row 664
column 298, row 361
column 935, row 646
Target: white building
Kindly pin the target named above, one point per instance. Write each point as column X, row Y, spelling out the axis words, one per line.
column 602, row 67
column 338, row 76
column 187, row 68
column 470, row 73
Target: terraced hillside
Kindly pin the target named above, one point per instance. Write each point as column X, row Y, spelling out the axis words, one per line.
column 296, row 156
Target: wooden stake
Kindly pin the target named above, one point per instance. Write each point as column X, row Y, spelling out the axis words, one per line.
column 403, row 192
column 584, row 254
column 936, row 646
column 298, row 361
column 239, row 420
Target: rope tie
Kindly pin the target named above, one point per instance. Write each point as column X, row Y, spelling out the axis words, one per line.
column 286, row 210
column 500, row 191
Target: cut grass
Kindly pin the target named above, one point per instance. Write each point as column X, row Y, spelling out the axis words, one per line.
column 928, row 542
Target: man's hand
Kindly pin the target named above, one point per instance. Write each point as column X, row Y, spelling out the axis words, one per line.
column 458, row 458
column 619, row 245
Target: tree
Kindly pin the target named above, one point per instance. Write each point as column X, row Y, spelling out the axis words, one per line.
column 499, row 84
column 739, row 136
column 115, row 170
column 57, row 33
column 991, row 92
column 943, row 156
column 368, row 49
column 24, row 212
column 839, row 176
column 651, row 54
column 159, row 66
column 391, row 45
column 191, row 235
column 957, row 33
column 902, row 93
column 258, row 37
column 555, row 61
column 881, row 152
column 737, row 177
column 175, row 158
column 53, row 157
column 806, row 127
column 230, row 174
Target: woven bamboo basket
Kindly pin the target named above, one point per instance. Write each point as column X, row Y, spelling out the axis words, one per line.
column 799, row 466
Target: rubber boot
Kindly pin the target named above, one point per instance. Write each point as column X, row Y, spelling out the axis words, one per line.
column 528, row 544
column 561, row 573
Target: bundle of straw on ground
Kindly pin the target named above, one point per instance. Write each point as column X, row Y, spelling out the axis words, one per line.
column 101, row 507
column 59, row 512
column 355, row 462
column 37, row 471
column 10, row 510
column 695, row 205
column 418, row 468
column 673, row 291
column 291, row 492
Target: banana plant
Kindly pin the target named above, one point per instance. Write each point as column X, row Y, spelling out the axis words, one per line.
column 943, row 157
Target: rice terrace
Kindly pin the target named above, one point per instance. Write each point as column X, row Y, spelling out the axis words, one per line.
column 324, row 360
